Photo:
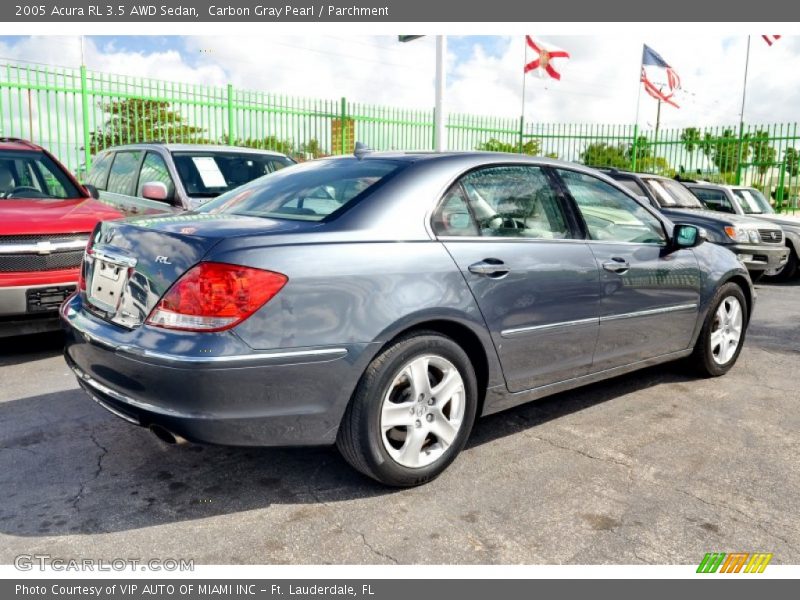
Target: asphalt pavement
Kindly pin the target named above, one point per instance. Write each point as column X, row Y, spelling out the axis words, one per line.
column 655, row 467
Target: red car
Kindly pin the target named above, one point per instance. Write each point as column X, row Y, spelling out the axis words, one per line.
column 46, row 217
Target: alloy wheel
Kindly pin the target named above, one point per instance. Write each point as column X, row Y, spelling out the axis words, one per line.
column 726, row 331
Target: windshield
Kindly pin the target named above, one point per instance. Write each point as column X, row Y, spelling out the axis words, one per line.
column 308, row 192
column 752, row 202
column 209, row 173
column 34, row 175
column 671, row 194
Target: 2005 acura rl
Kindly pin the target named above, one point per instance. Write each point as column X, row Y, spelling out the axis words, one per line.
column 383, row 301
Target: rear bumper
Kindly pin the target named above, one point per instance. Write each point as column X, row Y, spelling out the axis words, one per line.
column 760, row 257
column 229, row 395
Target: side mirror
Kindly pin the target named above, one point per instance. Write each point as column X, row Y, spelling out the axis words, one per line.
column 688, row 236
column 92, row 190
column 155, row 190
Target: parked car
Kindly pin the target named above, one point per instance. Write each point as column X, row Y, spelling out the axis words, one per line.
column 382, row 302
column 46, row 217
column 757, row 245
column 748, row 201
column 156, row 178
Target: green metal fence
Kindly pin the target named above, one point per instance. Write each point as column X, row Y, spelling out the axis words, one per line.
column 75, row 112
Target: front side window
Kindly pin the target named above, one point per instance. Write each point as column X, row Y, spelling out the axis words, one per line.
column 34, row 175
column 154, row 169
column 513, row 201
column 124, row 172
column 714, row 199
column 309, row 192
column 609, row 214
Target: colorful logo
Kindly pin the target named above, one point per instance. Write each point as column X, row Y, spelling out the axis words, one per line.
column 735, row 562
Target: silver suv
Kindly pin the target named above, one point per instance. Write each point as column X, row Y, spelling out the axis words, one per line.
column 155, row 178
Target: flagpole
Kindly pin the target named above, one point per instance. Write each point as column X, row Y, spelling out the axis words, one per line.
column 638, row 105
column 741, row 115
column 522, row 112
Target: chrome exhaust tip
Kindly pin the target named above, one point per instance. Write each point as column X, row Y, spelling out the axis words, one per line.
column 166, row 436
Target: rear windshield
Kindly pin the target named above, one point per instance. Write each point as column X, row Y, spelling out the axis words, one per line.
column 209, row 173
column 33, row 175
column 308, row 192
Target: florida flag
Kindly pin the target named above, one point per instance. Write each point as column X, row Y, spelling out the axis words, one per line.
column 654, row 69
column 543, row 63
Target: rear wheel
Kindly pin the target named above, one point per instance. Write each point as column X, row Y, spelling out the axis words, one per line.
column 412, row 411
column 721, row 339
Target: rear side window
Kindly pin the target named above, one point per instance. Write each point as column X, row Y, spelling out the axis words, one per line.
column 714, row 199
column 124, row 172
column 309, row 192
column 98, row 175
column 453, row 217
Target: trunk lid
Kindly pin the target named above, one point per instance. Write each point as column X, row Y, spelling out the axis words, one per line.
column 133, row 262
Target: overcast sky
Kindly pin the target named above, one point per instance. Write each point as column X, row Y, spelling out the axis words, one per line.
column 599, row 83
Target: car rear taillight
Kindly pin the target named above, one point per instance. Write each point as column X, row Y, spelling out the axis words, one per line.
column 215, row 296
column 87, row 252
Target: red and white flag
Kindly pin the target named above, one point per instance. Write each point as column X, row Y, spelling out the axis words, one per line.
column 544, row 61
column 771, row 39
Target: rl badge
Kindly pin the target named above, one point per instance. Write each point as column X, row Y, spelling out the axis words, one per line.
column 733, row 562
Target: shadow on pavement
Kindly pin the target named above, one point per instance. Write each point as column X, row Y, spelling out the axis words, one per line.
column 68, row 467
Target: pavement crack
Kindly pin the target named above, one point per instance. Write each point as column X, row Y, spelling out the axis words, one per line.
column 747, row 517
column 607, row 459
column 375, row 551
column 98, row 470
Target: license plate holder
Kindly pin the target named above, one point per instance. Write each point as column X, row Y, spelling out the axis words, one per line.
column 107, row 285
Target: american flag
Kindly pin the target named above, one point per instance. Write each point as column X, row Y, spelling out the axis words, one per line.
column 771, row 39
column 651, row 58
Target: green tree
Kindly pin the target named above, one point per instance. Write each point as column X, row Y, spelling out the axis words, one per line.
column 140, row 120
column 764, row 153
column 690, row 138
column 723, row 151
column 644, row 150
column 313, row 148
column 791, row 161
column 531, row 147
column 602, row 154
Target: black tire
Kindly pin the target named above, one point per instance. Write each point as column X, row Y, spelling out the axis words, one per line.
column 702, row 359
column 788, row 271
column 360, row 438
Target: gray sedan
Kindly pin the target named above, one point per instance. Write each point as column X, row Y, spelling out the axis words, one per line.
column 382, row 302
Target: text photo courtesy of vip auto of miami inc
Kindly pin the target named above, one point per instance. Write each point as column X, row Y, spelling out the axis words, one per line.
column 450, row 300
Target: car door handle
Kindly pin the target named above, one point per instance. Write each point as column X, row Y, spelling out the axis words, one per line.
column 617, row 265
column 491, row 267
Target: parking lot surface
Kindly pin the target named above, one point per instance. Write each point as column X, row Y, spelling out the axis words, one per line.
column 654, row 467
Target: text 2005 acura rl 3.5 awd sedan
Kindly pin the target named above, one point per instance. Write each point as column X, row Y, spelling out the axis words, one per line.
column 383, row 301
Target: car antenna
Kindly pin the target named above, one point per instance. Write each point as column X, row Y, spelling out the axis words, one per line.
column 361, row 150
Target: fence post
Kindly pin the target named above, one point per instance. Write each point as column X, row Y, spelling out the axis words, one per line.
column 739, row 158
column 231, row 122
column 343, row 127
column 87, row 154
column 521, row 132
column 633, row 146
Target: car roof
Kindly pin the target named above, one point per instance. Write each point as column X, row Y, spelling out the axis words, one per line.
column 195, row 148
column 610, row 171
column 18, row 144
column 478, row 157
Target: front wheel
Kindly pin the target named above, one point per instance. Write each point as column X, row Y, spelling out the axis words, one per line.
column 721, row 339
column 412, row 411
